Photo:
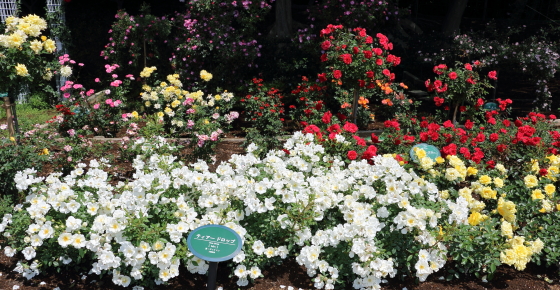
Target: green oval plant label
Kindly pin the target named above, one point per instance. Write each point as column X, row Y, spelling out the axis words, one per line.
column 431, row 151
column 214, row 243
column 490, row 106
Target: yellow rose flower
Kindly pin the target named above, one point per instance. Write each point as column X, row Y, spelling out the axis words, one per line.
column 488, row 193
column 531, row 181
column 21, row 70
column 147, row 71
column 10, row 20
column 36, row 46
column 206, row 76
column 535, row 165
column 134, row 114
column 553, row 172
column 485, row 179
column 546, row 206
column 549, row 189
column 466, row 193
column 501, row 168
column 498, row 182
column 49, row 45
column 477, row 205
column 537, row 194
column 507, row 230
column 420, row 153
column 35, row 20
column 507, row 209
column 471, row 171
column 426, row 163
column 476, row 218
column 16, row 39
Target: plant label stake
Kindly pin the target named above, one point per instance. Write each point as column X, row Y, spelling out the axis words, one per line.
column 214, row 243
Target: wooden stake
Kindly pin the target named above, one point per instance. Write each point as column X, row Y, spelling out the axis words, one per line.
column 8, row 107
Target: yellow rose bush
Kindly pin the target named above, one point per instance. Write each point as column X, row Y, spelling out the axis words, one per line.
column 203, row 117
column 25, row 54
column 511, row 212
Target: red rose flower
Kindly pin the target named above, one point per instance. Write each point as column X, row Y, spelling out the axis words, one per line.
column 368, row 54
column 452, row 75
column 359, row 141
column 311, row 129
column 346, row 58
column 337, row 74
column 439, row 101
column 378, row 51
column 326, row 45
column 370, row 152
column 350, row 127
column 493, row 75
column 352, row 155
column 335, row 128
column 379, row 61
column 468, row 66
column 370, row 74
column 501, row 147
column 324, row 57
column 480, row 137
column 465, row 152
column 326, row 119
column 494, row 137
column 450, row 149
column 341, row 116
column 322, row 77
column 438, row 69
column 469, row 124
column 374, row 138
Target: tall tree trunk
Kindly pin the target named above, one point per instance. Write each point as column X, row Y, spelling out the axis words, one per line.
column 283, row 25
column 453, row 17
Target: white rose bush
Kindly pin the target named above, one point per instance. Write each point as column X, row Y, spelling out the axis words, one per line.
column 352, row 222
